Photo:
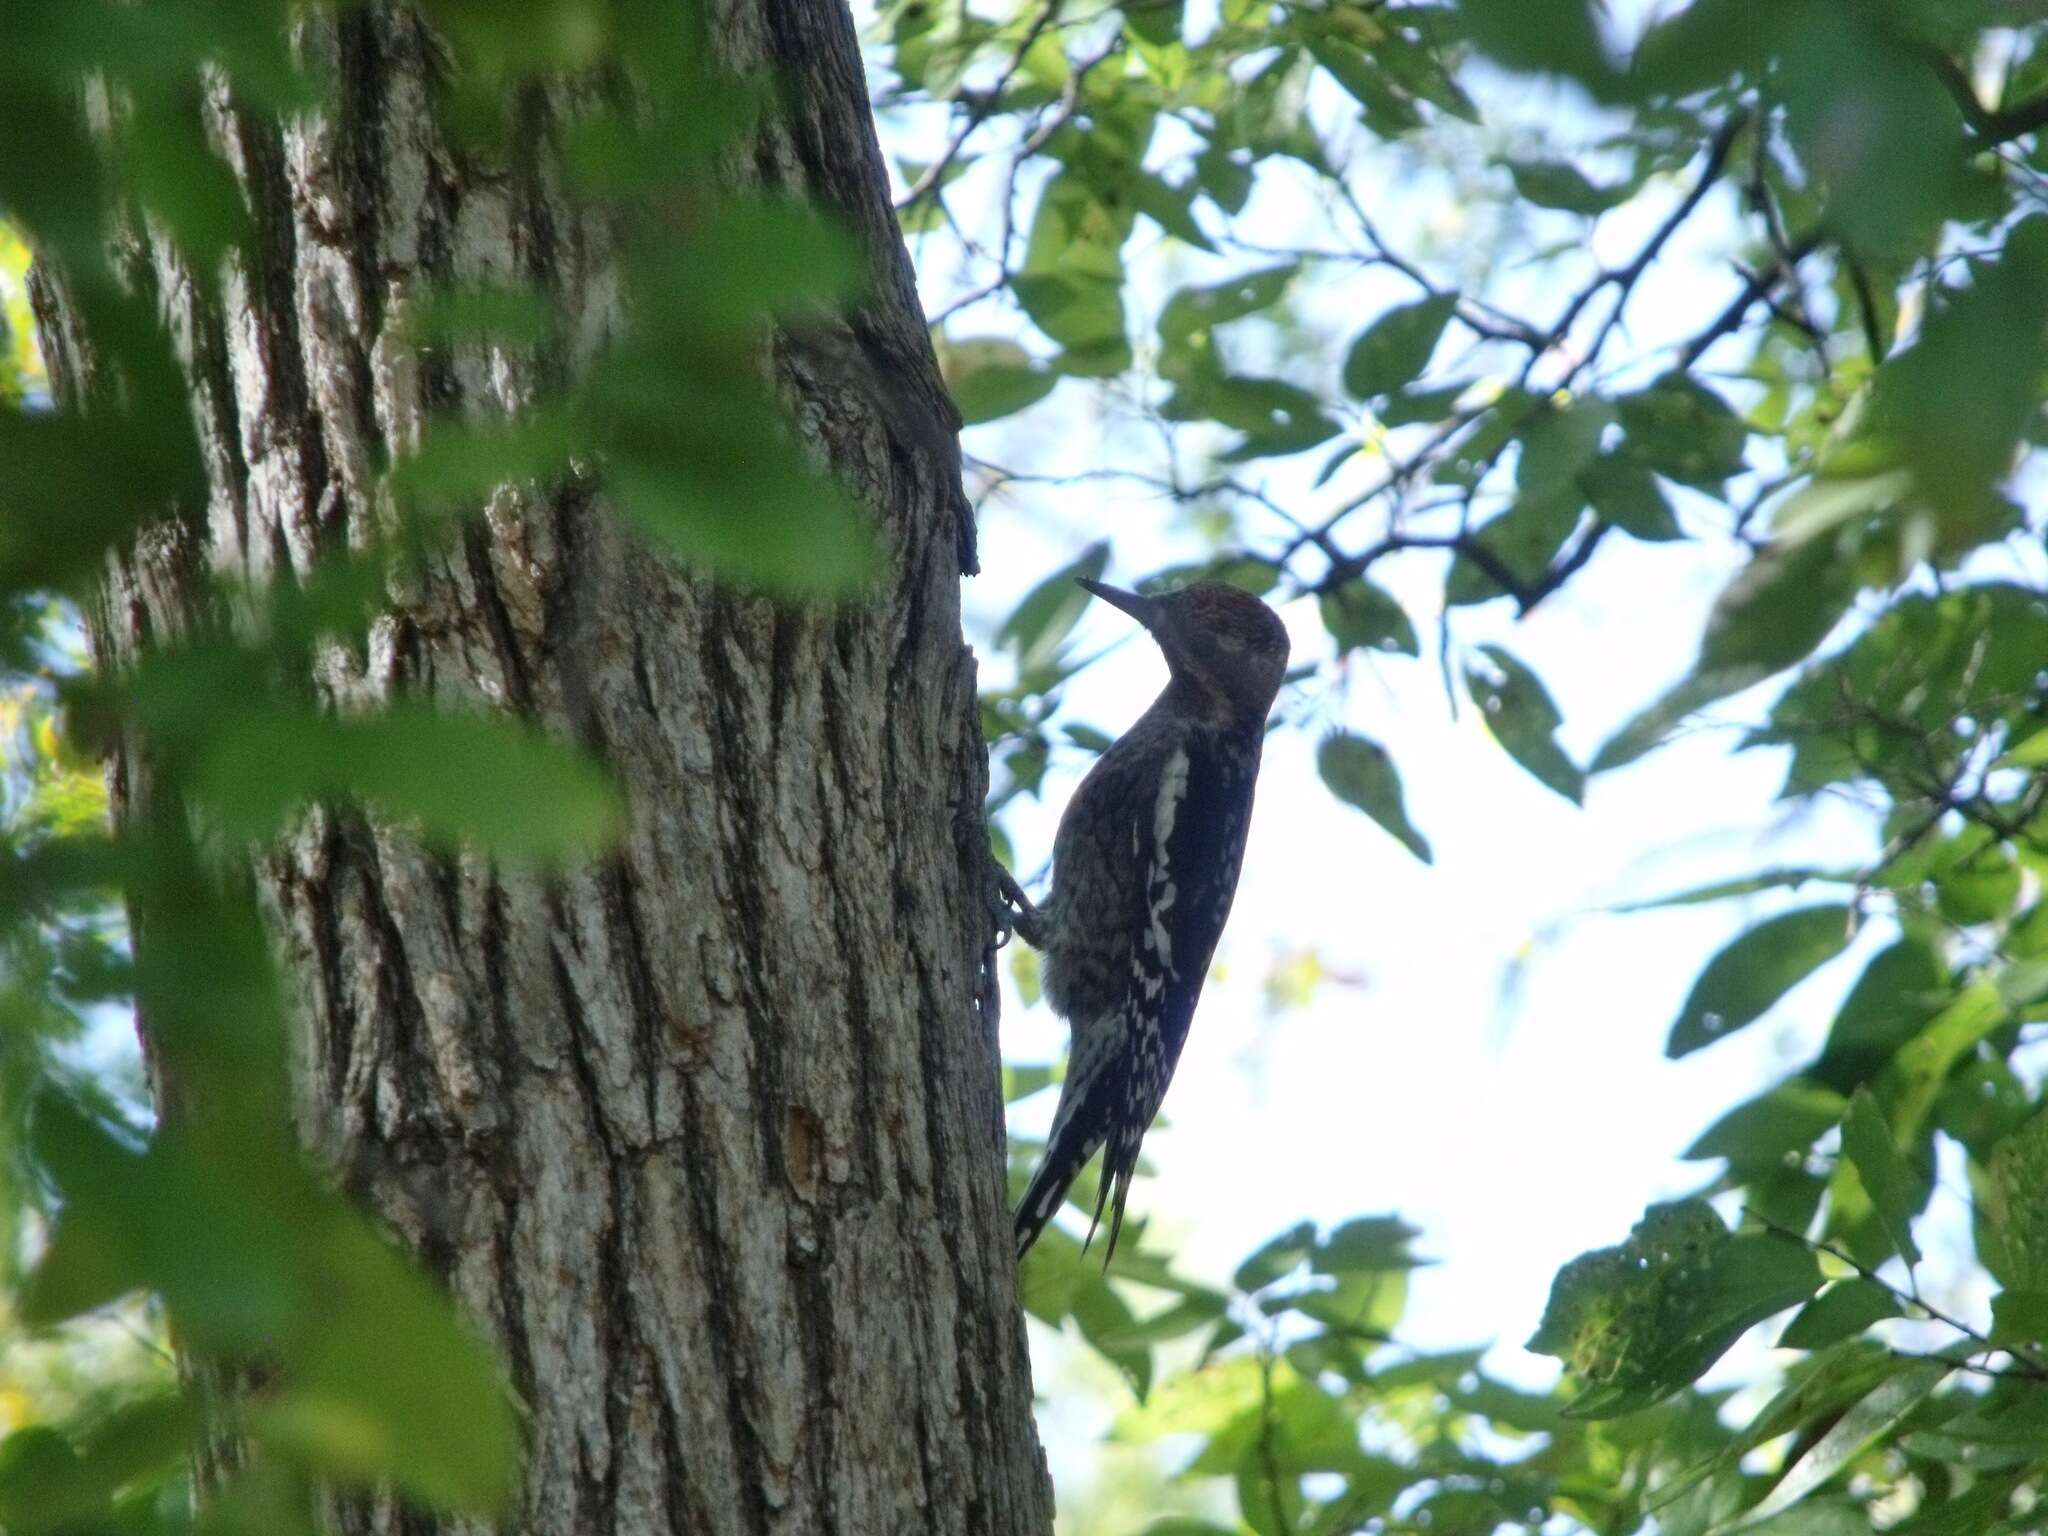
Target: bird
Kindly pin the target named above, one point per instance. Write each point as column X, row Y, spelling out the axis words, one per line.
column 1144, row 868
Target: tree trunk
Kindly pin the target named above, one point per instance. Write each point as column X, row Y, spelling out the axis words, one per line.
column 707, row 1136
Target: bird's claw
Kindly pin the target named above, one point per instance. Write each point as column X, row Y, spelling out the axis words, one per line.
column 1009, row 905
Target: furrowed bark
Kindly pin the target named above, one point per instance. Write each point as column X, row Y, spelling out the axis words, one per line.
column 708, row 1135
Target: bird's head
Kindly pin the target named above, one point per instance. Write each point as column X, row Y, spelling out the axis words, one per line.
column 1227, row 651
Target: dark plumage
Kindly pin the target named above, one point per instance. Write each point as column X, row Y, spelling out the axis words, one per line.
column 1144, row 868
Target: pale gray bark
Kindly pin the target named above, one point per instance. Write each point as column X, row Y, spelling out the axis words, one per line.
column 708, row 1135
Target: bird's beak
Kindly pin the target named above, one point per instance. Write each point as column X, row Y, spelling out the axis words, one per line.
column 1144, row 609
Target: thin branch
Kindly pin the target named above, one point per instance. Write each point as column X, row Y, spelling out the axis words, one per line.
column 1989, row 128
column 2025, row 1365
column 1759, row 287
column 980, row 108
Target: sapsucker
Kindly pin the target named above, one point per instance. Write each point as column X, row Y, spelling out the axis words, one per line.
column 1144, row 868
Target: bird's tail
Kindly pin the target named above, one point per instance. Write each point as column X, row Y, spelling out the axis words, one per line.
column 1067, row 1152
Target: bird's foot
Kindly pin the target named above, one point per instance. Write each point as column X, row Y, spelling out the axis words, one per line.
column 1014, row 912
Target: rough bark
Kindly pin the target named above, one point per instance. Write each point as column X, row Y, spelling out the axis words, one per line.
column 708, row 1136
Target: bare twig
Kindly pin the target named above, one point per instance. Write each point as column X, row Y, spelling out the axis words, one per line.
column 980, row 107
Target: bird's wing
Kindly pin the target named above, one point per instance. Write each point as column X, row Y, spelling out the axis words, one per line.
column 1189, row 833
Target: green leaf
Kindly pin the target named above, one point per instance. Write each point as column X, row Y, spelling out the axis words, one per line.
column 1085, row 315
column 1872, row 124
column 1276, row 1257
column 1170, row 207
column 1754, row 970
column 1519, row 713
column 1362, row 616
column 389, row 1383
column 1867, row 1143
column 1781, row 1123
column 1860, row 1427
column 1776, row 610
column 475, row 779
column 2016, row 1202
column 1627, row 495
column 1558, row 443
column 45, row 1485
column 991, row 377
column 1157, row 22
column 1389, row 109
column 1105, row 1321
column 1746, row 885
column 1684, row 431
column 1397, row 346
column 1844, row 1309
column 1359, row 772
column 1642, row 1320
column 1277, row 417
column 1899, row 991
column 1039, row 625
column 1409, row 406
column 1526, row 538
column 1556, row 184
column 1365, row 1245
column 2019, row 1317
column 1549, row 36
column 1226, row 180
column 1192, row 310
column 705, row 474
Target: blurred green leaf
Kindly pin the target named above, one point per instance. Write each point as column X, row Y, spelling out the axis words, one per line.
column 1867, row 1144
column 1193, row 310
column 1359, row 772
column 1844, row 1309
column 386, row 1382
column 1854, row 1431
column 1039, row 625
column 1361, row 616
column 1776, row 610
column 992, row 377
column 1557, row 184
column 1397, row 346
column 1525, row 538
column 1627, row 495
column 1551, row 36
column 1682, row 430
column 1276, row 1257
column 465, row 778
column 1518, row 711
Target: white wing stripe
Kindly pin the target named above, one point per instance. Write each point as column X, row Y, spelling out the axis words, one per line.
column 1160, row 892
